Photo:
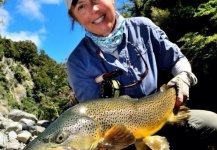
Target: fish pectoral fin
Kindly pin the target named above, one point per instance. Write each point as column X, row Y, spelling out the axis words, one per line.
column 180, row 115
column 156, row 142
column 117, row 137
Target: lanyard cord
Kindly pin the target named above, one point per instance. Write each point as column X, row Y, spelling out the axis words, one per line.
column 102, row 61
column 118, row 72
column 146, row 66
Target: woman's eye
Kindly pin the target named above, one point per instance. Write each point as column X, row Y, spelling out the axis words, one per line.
column 81, row 7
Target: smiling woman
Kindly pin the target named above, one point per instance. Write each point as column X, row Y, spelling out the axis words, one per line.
column 101, row 23
column 138, row 49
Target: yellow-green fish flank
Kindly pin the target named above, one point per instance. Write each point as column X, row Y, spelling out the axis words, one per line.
column 113, row 123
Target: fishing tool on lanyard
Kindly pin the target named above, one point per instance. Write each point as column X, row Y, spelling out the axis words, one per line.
column 111, row 87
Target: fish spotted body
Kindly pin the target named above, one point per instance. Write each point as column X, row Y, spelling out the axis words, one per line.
column 113, row 123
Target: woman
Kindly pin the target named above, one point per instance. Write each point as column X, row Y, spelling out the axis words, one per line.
column 131, row 50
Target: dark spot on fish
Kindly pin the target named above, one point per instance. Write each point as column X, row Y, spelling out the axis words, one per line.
column 45, row 140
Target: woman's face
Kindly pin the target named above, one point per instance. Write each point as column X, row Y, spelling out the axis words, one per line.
column 96, row 16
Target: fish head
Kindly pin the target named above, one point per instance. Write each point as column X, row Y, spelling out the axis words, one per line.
column 71, row 131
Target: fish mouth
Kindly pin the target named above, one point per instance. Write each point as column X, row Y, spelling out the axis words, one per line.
column 99, row 20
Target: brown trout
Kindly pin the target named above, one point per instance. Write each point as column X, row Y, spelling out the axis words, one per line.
column 113, row 123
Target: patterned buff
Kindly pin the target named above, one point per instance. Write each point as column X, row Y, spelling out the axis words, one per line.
column 109, row 44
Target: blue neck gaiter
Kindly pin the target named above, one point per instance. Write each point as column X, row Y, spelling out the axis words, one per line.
column 109, row 44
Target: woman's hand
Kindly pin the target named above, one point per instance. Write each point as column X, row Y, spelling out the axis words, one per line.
column 183, row 81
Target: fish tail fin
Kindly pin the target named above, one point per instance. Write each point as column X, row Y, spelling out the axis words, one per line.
column 180, row 115
column 156, row 142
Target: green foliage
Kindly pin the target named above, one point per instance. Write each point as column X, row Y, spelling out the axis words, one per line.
column 3, row 91
column 208, row 9
column 27, row 52
column 176, row 18
column 136, row 8
column 159, row 16
column 9, row 49
column 12, row 103
column 199, row 48
column 49, row 109
column 125, row 10
column 19, row 73
column 3, row 80
column 192, row 25
column 2, row 77
column 29, row 105
column 48, row 77
column 1, row 52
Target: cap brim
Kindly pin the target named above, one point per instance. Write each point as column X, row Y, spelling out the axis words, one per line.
column 68, row 3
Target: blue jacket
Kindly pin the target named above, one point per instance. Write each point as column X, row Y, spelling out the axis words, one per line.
column 85, row 64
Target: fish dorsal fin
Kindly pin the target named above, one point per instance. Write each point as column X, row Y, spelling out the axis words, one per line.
column 127, row 97
column 117, row 137
column 163, row 88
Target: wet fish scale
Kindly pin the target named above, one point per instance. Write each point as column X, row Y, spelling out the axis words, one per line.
column 112, row 123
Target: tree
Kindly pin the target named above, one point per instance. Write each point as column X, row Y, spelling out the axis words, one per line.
column 2, row 2
column 192, row 25
column 28, row 52
column 46, row 86
column 201, row 48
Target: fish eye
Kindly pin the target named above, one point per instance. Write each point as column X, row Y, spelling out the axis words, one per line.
column 61, row 137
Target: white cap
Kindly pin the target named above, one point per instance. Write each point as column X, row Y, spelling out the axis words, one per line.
column 68, row 3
